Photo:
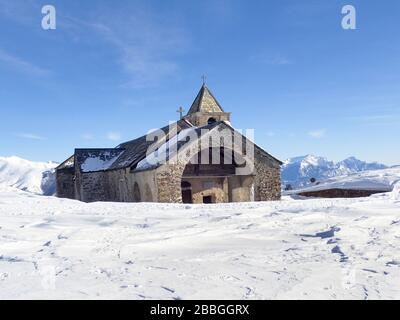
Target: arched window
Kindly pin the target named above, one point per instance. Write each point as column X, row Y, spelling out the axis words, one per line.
column 148, row 194
column 211, row 120
column 186, row 192
column 136, row 193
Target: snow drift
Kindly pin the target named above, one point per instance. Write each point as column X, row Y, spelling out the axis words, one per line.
column 35, row 177
column 53, row 248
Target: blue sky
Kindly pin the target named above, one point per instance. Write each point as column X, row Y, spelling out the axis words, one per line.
column 112, row 71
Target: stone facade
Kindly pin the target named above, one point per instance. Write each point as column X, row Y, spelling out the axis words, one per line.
column 168, row 180
column 267, row 179
column 65, row 183
column 199, row 119
column 117, row 176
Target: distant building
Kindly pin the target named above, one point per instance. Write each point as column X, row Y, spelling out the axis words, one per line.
column 128, row 173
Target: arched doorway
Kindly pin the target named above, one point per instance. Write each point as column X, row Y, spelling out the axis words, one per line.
column 214, row 177
column 186, row 192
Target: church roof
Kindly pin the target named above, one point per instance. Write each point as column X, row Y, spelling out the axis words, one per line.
column 181, row 140
column 129, row 154
column 91, row 160
column 132, row 153
column 67, row 164
column 136, row 149
column 205, row 102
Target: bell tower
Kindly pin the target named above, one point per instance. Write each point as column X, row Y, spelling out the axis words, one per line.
column 206, row 109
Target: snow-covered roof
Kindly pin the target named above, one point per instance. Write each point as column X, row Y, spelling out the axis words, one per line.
column 169, row 148
column 67, row 164
column 160, row 155
column 91, row 160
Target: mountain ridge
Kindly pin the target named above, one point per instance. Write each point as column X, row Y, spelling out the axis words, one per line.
column 26, row 175
column 39, row 177
column 297, row 171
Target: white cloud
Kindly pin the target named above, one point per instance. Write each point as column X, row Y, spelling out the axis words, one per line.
column 113, row 136
column 317, row 134
column 30, row 136
column 146, row 43
column 20, row 64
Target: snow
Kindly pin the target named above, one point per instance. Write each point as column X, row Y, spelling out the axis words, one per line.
column 377, row 180
column 166, row 150
column 99, row 162
column 35, row 177
column 298, row 171
column 69, row 163
column 54, row 248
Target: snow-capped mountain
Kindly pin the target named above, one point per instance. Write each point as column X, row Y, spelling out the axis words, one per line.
column 36, row 177
column 39, row 177
column 298, row 171
column 384, row 180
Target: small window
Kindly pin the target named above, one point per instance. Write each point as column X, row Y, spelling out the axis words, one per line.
column 211, row 120
column 207, row 199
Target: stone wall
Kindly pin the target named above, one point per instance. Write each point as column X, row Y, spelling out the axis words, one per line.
column 168, row 180
column 240, row 188
column 116, row 186
column 201, row 119
column 94, row 187
column 267, row 184
column 146, row 185
column 65, row 183
column 217, row 188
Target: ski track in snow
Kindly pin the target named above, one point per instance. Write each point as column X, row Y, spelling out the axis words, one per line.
column 294, row 249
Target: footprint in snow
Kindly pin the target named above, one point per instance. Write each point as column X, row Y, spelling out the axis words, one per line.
column 168, row 289
column 323, row 235
column 393, row 263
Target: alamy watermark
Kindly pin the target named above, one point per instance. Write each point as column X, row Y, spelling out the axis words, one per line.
column 219, row 145
column 349, row 21
column 49, row 21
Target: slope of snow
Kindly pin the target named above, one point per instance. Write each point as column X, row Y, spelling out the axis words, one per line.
column 299, row 170
column 378, row 180
column 36, row 177
column 293, row 249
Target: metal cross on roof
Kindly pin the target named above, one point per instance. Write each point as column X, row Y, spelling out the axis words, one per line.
column 204, row 78
column 181, row 111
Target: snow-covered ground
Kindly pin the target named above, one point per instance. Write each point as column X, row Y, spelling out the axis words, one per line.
column 293, row 249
